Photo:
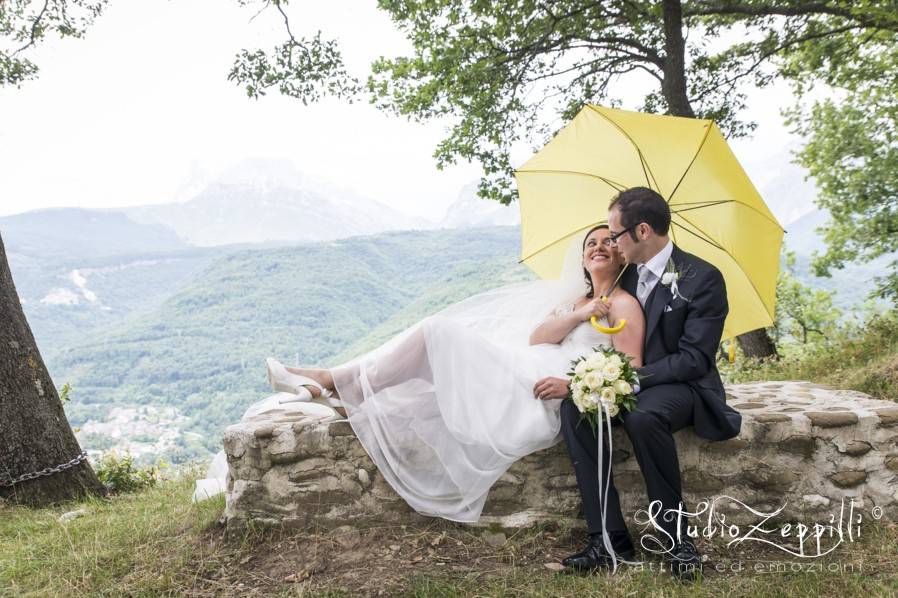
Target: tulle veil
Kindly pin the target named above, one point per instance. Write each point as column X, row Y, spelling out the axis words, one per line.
column 505, row 315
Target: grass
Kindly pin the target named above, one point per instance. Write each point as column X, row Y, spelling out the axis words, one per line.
column 157, row 543
column 141, row 543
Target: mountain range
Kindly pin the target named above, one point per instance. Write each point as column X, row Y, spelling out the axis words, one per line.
column 262, row 201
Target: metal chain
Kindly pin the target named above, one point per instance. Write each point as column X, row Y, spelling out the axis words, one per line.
column 44, row 472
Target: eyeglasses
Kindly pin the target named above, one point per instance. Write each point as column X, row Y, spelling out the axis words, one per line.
column 613, row 237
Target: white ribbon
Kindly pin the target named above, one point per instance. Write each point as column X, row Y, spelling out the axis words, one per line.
column 675, row 291
column 603, row 487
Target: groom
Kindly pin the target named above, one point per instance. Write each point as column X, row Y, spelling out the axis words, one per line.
column 685, row 304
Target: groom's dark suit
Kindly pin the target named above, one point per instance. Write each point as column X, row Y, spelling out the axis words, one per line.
column 680, row 387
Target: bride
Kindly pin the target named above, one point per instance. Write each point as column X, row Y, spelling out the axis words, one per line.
column 446, row 407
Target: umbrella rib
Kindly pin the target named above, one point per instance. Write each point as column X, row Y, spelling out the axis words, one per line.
column 688, row 168
column 685, row 172
column 570, row 234
column 711, row 203
column 646, row 170
column 700, row 204
column 613, row 184
column 697, row 232
column 731, row 256
column 705, row 202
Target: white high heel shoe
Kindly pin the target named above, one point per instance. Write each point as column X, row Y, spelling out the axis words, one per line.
column 282, row 380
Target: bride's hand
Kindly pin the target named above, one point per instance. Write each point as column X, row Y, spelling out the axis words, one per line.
column 551, row 388
column 595, row 307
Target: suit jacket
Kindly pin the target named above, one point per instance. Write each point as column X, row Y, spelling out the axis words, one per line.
column 682, row 337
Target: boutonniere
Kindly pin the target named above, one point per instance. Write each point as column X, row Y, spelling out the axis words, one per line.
column 670, row 278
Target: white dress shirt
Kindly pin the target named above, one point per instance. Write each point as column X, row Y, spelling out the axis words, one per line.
column 652, row 271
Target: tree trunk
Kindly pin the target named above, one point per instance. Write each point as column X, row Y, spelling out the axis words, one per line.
column 674, row 85
column 756, row 343
column 34, row 431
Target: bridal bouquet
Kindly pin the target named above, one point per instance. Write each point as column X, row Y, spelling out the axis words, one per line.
column 604, row 378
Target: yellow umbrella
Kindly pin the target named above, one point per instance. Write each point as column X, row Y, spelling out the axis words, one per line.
column 717, row 214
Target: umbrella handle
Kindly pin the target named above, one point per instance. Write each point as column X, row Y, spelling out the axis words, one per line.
column 606, row 330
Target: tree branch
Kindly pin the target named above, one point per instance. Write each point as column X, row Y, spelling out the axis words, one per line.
column 33, row 36
column 650, row 54
column 699, row 9
column 286, row 22
column 705, row 9
column 765, row 55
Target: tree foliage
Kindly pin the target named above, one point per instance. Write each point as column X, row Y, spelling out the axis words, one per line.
column 26, row 23
column 852, row 144
column 802, row 313
column 303, row 68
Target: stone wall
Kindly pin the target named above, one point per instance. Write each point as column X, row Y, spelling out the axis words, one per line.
column 803, row 446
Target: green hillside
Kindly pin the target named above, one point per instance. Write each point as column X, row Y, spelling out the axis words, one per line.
column 202, row 349
column 460, row 284
column 120, row 285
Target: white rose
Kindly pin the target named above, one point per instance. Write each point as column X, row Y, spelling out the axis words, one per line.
column 593, row 380
column 596, row 361
column 580, row 368
column 578, row 402
column 616, row 360
column 576, row 393
column 622, row 387
column 668, row 277
column 592, row 399
column 611, row 372
column 608, row 395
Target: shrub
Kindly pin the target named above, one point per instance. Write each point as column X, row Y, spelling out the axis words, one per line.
column 119, row 474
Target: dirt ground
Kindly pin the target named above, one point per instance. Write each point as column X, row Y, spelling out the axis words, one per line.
column 399, row 560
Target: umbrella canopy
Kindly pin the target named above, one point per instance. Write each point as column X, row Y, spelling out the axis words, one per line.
column 717, row 214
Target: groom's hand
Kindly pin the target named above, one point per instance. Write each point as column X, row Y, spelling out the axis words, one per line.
column 551, row 388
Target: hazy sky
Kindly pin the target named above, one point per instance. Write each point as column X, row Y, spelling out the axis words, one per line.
column 140, row 111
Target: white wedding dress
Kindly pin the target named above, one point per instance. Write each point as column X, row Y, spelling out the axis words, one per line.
column 446, row 407
column 444, row 411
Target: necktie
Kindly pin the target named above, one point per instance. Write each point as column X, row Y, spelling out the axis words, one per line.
column 644, row 286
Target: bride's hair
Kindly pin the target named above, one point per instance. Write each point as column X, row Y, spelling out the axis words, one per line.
column 590, row 292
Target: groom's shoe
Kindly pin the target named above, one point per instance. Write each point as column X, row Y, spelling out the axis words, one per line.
column 684, row 561
column 595, row 555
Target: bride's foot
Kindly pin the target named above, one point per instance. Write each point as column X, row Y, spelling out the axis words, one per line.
column 306, row 388
column 322, row 377
column 325, row 379
column 282, row 380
